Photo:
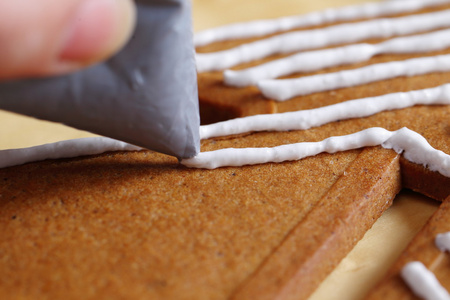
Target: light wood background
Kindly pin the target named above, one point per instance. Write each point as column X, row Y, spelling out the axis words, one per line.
column 371, row 257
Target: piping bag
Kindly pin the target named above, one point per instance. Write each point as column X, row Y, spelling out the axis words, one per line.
column 146, row 95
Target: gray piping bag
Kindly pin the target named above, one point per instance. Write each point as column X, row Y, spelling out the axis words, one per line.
column 146, row 95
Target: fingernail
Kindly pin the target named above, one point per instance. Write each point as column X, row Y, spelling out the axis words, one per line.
column 98, row 29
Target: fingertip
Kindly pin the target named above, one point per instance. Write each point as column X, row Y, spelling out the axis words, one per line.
column 64, row 37
column 97, row 30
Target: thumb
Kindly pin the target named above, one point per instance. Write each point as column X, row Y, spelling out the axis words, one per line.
column 50, row 37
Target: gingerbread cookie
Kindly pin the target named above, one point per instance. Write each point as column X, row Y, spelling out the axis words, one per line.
column 140, row 225
column 315, row 67
column 423, row 266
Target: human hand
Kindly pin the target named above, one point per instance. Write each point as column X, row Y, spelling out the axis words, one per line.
column 50, row 37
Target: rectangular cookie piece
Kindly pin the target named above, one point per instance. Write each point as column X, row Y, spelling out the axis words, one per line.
column 139, row 225
column 158, row 229
column 423, row 249
column 329, row 231
column 243, row 101
column 220, row 101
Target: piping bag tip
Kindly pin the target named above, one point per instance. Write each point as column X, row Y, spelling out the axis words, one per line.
column 146, row 95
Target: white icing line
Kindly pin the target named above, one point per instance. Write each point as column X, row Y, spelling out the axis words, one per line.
column 63, row 149
column 319, row 59
column 305, row 119
column 301, row 62
column 249, row 156
column 413, row 146
column 285, row 89
column 317, row 38
column 423, row 282
column 443, row 241
column 265, row 27
column 416, row 149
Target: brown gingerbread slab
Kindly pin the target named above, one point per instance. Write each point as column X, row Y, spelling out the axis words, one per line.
column 219, row 101
column 287, row 275
column 422, row 248
column 138, row 225
column 267, row 283
column 422, row 180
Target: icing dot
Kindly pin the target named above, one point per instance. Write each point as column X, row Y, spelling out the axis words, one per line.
column 443, row 241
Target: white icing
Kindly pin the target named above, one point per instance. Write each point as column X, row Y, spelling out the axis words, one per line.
column 285, row 89
column 317, row 38
column 305, row 119
column 443, row 241
column 423, row 282
column 265, row 27
column 416, row 149
column 63, row 149
column 413, row 146
column 301, row 62
column 319, row 59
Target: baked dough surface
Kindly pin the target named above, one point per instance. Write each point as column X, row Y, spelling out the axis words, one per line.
column 138, row 225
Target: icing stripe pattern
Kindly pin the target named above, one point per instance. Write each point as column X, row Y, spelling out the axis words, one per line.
column 413, row 146
column 320, row 59
column 349, row 13
column 399, row 140
column 285, row 89
column 305, row 119
column 318, row 38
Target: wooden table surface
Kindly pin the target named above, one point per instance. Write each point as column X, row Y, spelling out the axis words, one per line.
column 371, row 257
